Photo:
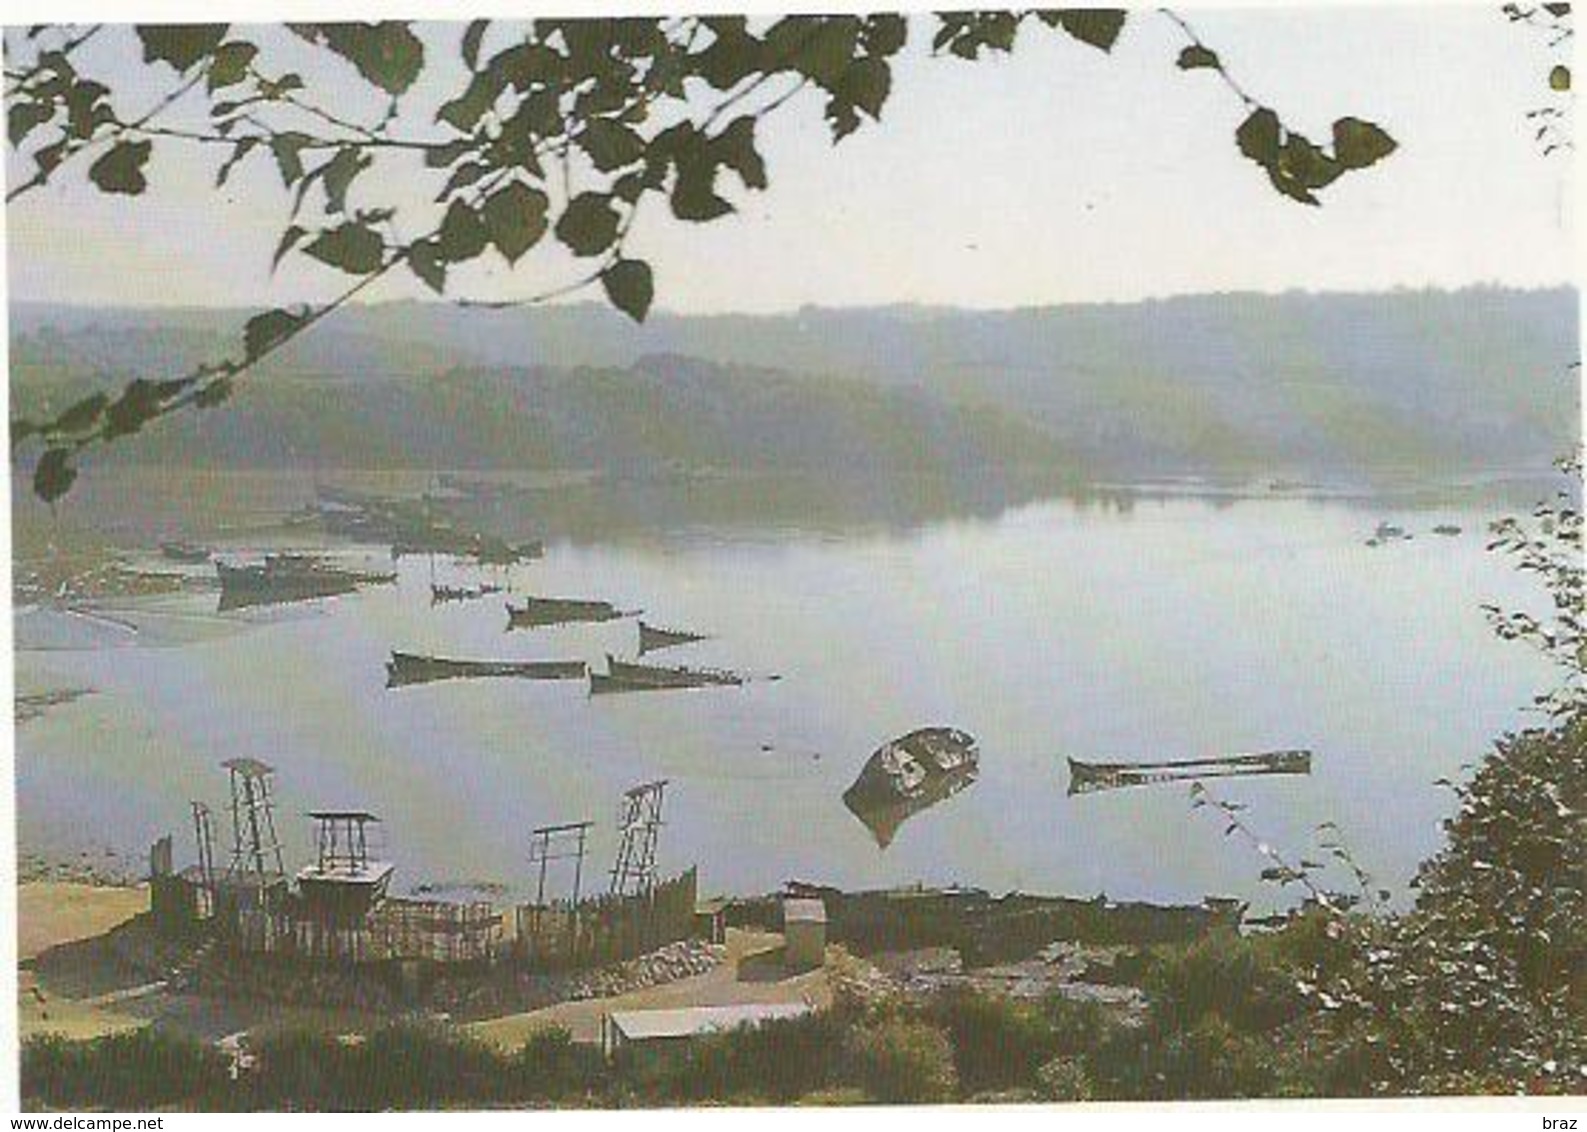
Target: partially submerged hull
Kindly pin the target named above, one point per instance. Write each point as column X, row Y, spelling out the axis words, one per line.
column 1086, row 777
column 408, row 668
column 652, row 638
column 909, row 774
column 536, row 611
column 624, row 676
column 288, row 578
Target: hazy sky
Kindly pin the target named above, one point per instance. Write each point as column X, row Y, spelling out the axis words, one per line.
column 1060, row 174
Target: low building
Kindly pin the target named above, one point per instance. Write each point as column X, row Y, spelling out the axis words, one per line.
column 641, row 1038
column 804, row 933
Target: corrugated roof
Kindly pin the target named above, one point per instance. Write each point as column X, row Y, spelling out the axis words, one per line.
column 688, row 1022
column 805, row 911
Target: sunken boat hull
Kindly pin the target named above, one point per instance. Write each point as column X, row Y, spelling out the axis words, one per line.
column 909, row 774
column 1086, row 777
column 653, row 638
column 536, row 611
column 625, row 676
column 288, row 578
column 408, row 668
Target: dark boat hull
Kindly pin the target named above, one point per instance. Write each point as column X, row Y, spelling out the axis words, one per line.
column 537, row 611
column 662, row 677
column 653, row 639
column 407, row 668
column 1085, row 777
column 909, row 774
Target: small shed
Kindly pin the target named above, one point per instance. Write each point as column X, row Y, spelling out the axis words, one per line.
column 644, row 1037
column 804, row 932
column 710, row 921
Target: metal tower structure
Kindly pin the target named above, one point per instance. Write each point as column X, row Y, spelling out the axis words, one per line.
column 559, row 843
column 204, row 835
column 639, row 826
column 255, row 846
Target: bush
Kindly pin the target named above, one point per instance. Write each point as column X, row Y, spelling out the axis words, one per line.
column 998, row 1043
column 1064, row 1079
column 550, row 1066
column 139, row 1069
column 1224, row 974
column 900, row 1060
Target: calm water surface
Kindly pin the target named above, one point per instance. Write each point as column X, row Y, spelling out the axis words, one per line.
column 1178, row 628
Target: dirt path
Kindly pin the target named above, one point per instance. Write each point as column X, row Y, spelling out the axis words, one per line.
column 751, row 973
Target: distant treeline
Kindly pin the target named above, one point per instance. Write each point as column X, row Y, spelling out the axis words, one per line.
column 1429, row 381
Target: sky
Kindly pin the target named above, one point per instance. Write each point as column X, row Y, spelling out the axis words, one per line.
column 1057, row 175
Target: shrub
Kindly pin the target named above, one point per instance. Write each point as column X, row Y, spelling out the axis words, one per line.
column 1064, row 1079
column 1225, row 974
column 138, row 1069
column 902, row 1060
column 550, row 1065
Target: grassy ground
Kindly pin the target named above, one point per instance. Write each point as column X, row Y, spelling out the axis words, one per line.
column 752, row 973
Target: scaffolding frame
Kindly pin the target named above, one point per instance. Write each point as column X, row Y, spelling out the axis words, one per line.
column 639, row 828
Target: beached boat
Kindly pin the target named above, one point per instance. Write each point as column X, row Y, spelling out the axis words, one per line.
column 1085, row 777
column 561, row 611
column 1446, row 529
column 911, row 774
column 410, row 668
column 653, row 638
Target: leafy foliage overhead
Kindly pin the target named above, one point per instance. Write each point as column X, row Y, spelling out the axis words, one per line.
column 557, row 127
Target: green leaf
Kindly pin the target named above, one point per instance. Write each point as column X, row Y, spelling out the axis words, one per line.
column 629, row 286
column 85, row 109
column 827, row 50
column 180, row 45
column 885, row 34
column 1259, row 137
column 1196, row 57
column 289, row 240
column 463, row 235
column 120, row 169
column 239, row 151
column 53, row 475
column 22, row 118
column 387, row 54
column 866, row 84
column 1559, row 79
column 230, row 65
column 464, row 112
column 352, row 247
column 426, row 261
column 610, row 144
column 287, row 149
column 734, row 147
column 472, row 36
column 1099, row 27
column 588, row 225
column 268, row 330
column 515, row 217
column 1358, row 144
column 337, row 175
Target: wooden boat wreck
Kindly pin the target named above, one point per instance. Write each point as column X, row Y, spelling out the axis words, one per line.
column 409, row 668
column 625, row 676
column 287, row 578
column 561, row 611
column 439, row 595
column 653, row 638
column 1085, row 777
column 909, row 774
